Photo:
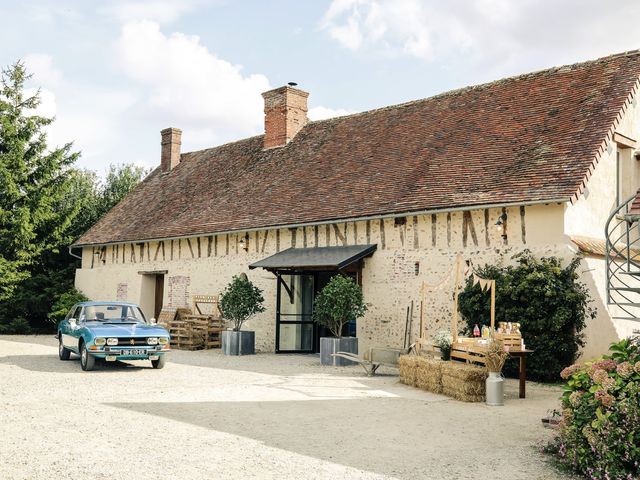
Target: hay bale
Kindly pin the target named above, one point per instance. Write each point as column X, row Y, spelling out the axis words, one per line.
column 407, row 368
column 463, row 381
column 428, row 374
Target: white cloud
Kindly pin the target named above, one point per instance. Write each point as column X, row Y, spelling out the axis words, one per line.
column 321, row 113
column 488, row 35
column 90, row 115
column 161, row 11
column 47, row 107
column 40, row 65
column 189, row 86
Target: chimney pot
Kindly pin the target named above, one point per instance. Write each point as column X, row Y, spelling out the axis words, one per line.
column 285, row 113
column 170, row 148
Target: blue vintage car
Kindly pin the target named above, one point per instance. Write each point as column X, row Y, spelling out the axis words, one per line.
column 112, row 331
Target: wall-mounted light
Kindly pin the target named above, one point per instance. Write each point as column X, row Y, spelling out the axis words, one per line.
column 244, row 243
column 501, row 225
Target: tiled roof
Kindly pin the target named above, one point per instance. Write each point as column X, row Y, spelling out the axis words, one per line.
column 590, row 246
column 597, row 247
column 524, row 139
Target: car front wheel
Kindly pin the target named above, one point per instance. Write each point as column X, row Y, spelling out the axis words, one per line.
column 159, row 363
column 87, row 361
column 63, row 353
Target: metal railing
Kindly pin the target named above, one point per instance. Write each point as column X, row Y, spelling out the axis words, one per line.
column 622, row 234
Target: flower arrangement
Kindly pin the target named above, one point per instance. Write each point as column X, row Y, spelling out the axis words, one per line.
column 443, row 340
column 599, row 434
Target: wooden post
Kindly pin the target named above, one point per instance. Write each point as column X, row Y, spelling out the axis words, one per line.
column 421, row 332
column 493, row 307
column 454, row 324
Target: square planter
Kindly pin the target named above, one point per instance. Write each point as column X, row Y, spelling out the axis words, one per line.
column 329, row 345
column 238, row 343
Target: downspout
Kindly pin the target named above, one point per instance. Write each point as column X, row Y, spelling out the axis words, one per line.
column 73, row 254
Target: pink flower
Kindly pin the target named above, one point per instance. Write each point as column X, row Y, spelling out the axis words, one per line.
column 574, row 398
column 570, row 370
column 607, row 365
column 605, row 398
column 608, row 383
column 598, row 375
column 625, row 369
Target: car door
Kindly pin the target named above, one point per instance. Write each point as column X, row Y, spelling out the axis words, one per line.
column 70, row 331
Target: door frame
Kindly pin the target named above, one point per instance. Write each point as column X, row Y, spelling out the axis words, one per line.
column 354, row 270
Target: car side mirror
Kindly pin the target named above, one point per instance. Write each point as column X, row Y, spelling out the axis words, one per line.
column 153, row 320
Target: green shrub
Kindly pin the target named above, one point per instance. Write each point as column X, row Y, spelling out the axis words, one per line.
column 548, row 301
column 240, row 300
column 599, row 433
column 63, row 304
column 17, row 326
column 339, row 302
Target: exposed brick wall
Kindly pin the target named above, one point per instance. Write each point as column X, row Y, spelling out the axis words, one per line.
column 179, row 291
column 170, row 148
column 122, row 292
column 285, row 113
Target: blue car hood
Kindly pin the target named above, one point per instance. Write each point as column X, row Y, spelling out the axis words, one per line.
column 126, row 330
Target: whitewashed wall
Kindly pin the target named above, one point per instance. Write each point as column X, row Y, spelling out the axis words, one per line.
column 205, row 265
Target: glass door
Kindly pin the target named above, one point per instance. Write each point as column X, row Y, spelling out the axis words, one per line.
column 294, row 317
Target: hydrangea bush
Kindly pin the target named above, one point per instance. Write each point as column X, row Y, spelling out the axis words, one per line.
column 599, row 434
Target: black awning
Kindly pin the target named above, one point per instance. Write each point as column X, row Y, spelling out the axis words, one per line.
column 331, row 258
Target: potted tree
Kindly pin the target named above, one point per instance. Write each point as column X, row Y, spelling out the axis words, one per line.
column 240, row 300
column 339, row 302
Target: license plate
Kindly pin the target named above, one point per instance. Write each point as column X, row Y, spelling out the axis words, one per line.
column 133, row 351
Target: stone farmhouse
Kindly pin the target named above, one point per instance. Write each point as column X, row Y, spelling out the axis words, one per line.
column 390, row 196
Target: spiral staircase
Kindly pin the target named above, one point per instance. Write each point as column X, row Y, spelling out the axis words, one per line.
column 622, row 233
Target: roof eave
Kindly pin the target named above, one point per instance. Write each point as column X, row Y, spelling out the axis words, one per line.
column 333, row 220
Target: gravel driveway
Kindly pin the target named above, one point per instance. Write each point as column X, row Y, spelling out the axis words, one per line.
column 264, row 416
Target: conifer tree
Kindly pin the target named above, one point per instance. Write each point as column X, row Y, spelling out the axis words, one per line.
column 33, row 182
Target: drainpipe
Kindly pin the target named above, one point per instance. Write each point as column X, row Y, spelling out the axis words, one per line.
column 73, row 254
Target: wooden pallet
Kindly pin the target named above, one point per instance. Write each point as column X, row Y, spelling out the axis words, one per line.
column 195, row 331
column 468, row 351
column 512, row 341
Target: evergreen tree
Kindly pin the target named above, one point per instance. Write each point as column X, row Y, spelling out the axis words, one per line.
column 33, row 183
column 45, row 205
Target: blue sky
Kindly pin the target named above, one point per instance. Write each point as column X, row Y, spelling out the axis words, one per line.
column 114, row 73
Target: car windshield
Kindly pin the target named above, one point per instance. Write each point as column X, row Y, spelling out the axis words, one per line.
column 113, row 313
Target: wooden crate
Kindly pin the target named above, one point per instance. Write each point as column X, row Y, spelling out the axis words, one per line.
column 194, row 328
column 512, row 341
column 468, row 350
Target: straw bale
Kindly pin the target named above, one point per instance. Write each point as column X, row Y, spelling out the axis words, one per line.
column 428, row 375
column 407, row 368
column 464, row 371
column 463, row 381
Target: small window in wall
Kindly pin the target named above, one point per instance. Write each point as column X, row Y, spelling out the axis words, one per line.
column 399, row 221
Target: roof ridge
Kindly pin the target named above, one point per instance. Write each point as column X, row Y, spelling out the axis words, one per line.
column 445, row 94
column 480, row 86
column 215, row 147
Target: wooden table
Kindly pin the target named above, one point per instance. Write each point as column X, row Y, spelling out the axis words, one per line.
column 522, row 355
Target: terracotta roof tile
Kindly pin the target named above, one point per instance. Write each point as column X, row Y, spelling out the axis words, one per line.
column 523, row 139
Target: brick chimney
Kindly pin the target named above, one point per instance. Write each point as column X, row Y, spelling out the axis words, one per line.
column 170, row 155
column 285, row 113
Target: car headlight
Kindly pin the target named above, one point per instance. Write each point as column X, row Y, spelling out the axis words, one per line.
column 100, row 341
column 163, row 340
column 112, row 341
column 152, row 340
